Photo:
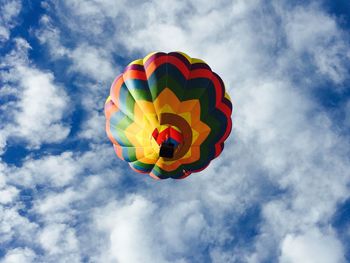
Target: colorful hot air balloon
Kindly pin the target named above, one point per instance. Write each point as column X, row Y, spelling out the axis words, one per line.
column 168, row 115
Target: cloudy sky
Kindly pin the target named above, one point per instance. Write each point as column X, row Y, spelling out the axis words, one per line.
column 280, row 191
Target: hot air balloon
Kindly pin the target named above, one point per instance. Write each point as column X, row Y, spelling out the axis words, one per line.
column 168, row 115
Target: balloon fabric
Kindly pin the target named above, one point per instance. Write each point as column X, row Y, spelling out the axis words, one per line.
column 168, row 115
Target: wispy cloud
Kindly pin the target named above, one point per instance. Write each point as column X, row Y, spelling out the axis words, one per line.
column 39, row 105
column 9, row 10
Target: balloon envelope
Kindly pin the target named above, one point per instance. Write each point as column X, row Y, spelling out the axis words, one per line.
column 168, row 115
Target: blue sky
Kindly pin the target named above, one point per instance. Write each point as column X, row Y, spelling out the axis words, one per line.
column 278, row 193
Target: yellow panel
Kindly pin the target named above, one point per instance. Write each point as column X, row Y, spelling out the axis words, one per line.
column 197, row 60
column 148, row 56
column 108, row 99
column 137, row 62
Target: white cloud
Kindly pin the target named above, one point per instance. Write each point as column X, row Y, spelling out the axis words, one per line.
column 281, row 138
column 41, row 108
column 60, row 239
column 8, row 194
column 309, row 30
column 9, row 11
column 312, row 247
column 47, row 170
column 59, row 171
column 19, row 255
column 55, row 206
column 92, row 62
column 129, row 240
column 283, row 156
column 15, row 226
column 137, row 230
column 91, row 129
column 307, row 27
column 347, row 114
column 50, row 35
column 40, row 103
column 301, row 154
